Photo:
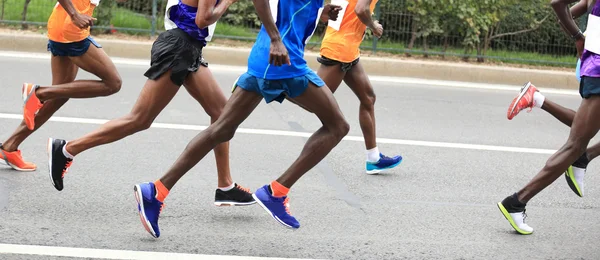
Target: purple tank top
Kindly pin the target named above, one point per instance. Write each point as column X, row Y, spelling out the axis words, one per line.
column 590, row 62
column 184, row 17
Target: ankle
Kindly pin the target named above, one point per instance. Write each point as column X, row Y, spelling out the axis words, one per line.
column 9, row 147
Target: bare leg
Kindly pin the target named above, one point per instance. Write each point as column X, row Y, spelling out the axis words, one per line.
column 561, row 113
column 331, row 75
column 566, row 116
column 335, row 127
column 358, row 81
column 155, row 96
column 239, row 106
column 585, row 126
column 96, row 62
column 203, row 87
column 63, row 71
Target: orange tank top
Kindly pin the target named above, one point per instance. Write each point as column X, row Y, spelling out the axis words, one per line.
column 60, row 26
column 343, row 45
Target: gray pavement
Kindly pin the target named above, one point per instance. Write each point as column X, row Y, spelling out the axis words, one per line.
column 439, row 203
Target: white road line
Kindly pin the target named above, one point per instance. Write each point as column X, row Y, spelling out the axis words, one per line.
column 116, row 254
column 397, row 80
column 304, row 134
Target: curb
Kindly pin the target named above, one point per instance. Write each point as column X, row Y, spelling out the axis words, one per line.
column 373, row 65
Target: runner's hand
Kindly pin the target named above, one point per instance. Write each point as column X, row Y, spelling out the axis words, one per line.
column 330, row 12
column 378, row 30
column 83, row 20
column 278, row 55
column 579, row 44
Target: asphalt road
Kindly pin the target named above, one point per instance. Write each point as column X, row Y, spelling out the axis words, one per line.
column 439, row 203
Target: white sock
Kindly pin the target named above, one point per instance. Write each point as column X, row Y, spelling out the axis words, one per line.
column 65, row 153
column 538, row 99
column 373, row 155
column 228, row 188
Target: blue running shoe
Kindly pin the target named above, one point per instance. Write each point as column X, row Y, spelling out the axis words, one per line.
column 148, row 206
column 383, row 164
column 277, row 207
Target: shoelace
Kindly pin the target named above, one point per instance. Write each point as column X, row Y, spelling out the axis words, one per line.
column 524, row 216
column 243, row 188
column 286, row 204
column 66, row 168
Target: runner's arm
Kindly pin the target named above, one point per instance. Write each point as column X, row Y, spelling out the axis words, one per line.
column 278, row 54
column 80, row 20
column 208, row 13
column 363, row 11
column 579, row 9
column 565, row 18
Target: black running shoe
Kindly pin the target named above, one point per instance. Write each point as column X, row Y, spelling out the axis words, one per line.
column 575, row 174
column 58, row 163
column 238, row 196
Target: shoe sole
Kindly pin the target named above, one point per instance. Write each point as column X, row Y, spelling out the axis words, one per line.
column 49, row 150
column 377, row 171
column 572, row 182
column 137, row 190
column 516, row 101
column 509, row 218
column 233, row 203
column 15, row 167
column 271, row 213
column 4, row 161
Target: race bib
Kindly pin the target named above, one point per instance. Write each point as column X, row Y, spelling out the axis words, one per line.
column 592, row 38
column 336, row 24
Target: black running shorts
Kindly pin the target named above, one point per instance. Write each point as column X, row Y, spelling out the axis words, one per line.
column 346, row 66
column 175, row 50
column 589, row 86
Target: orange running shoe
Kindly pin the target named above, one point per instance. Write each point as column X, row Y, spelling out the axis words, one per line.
column 32, row 104
column 15, row 161
column 522, row 101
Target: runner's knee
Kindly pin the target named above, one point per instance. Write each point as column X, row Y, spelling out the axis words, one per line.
column 113, row 83
column 368, row 101
column 340, row 128
column 139, row 122
column 222, row 132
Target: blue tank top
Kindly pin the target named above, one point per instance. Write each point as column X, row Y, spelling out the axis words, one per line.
column 296, row 21
column 182, row 16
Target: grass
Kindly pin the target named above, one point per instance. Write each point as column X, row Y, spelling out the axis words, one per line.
column 129, row 22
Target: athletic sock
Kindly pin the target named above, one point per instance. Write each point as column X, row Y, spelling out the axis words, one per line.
column 538, row 99
column 65, row 153
column 278, row 190
column 161, row 191
column 228, row 188
column 373, row 155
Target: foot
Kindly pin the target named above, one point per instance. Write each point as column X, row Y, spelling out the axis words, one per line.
column 384, row 163
column 522, row 101
column 277, row 207
column 575, row 174
column 149, row 207
column 58, row 163
column 238, row 196
column 15, row 160
column 32, row 104
column 514, row 212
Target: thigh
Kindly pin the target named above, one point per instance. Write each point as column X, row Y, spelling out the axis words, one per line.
column 95, row 61
column 358, row 80
column 586, row 122
column 63, row 70
column 332, row 75
column 203, row 87
column 154, row 97
column 239, row 106
column 321, row 102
